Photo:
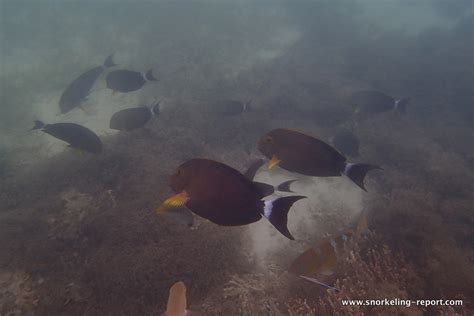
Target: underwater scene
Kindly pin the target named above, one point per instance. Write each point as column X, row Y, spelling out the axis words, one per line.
column 209, row 157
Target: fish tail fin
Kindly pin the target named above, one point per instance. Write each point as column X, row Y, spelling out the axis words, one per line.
column 401, row 105
column 357, row 172
column 285, row 186
column 248, row 105
column 109, row 61
column 155, row 109
column 320, row 283
column 276, row 211
column 149, row 76
column 38, row 125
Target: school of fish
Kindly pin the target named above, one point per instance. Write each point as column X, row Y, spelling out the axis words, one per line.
column 222, row 194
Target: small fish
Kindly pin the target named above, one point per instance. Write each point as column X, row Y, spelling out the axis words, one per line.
column 75, row 135
column 177, row 303
column 226, row 197
column 128, row 80
column 346, row 142
column 79, row 89
column 230, row 107
column 322, row 260
column 133, row 118
column 298, row 152
column 375, row 102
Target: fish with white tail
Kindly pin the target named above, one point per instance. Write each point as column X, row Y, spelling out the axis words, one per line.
column 297, row 152
column 226, row 197
column 375, row 102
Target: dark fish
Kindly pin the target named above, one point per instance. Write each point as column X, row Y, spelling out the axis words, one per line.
column 128, row 80
column 177, row 302
column 375, row 102
column 346, row 142
column 76, row 135
column 79, row 89
column 323, row 259
column 226, row 197
column 133, row 118
column 298, row 152
column 230, row 107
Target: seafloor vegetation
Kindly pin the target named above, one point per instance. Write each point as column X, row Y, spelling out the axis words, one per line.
column 78, row 234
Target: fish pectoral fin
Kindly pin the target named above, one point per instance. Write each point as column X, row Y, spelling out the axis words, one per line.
column 176, row 200
column 320, row 283
column 273, row 162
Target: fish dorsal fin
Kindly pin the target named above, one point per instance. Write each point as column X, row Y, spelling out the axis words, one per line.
column 299, row 132
column 38, row 125
column 155, row 108
column 264, row 189
column 109, row 62
column 177, row 300
column 148, row 76
column 252, row 170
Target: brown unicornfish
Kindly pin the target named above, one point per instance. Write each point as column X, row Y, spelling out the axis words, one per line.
column 226, row 197
column 375, row 102
column 124, row 81
column 76, row 135
column 133, row 118
column 307, row 155
column 78, row 90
